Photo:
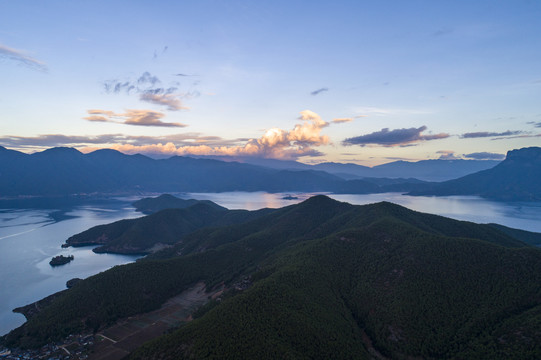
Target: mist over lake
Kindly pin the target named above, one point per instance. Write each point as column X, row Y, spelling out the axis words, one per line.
column 30, row 238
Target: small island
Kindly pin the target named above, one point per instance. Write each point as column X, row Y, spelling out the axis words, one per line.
column 60, row 260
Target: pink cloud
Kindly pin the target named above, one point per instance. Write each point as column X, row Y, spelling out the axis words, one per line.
column 274, row 143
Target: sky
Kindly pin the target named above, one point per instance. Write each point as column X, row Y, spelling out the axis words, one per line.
column 363, row 81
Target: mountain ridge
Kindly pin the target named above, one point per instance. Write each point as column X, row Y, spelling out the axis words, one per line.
column 514, row 179
column 67, row 172
column 324, row 276
column 426, row 170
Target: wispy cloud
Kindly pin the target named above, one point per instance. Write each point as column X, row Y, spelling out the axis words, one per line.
column 397, row 137
column 147, row 86
column 525, row 136
column 342, row 120
column 378, row 111
column 148, row 78
column 485, row 156
column 318, row 91
column 21, row 58
column 484, row 134
column 131, row 117
column 143, row 83
column 164, row 50
column 97, row 141
column 172, row 101
column 52, row 140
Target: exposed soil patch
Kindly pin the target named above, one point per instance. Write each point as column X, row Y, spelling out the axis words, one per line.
column 119, row 340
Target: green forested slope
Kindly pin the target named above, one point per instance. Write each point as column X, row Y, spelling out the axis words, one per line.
column 412, row 293
column 165, row 227
column 329, row 280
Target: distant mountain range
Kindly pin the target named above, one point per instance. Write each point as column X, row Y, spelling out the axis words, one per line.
column 426, row 170
column 320, row 279
column 66, row 171
column 517, row 178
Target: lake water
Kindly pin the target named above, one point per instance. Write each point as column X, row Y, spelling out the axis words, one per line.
column 28, row 241
column 30, row 238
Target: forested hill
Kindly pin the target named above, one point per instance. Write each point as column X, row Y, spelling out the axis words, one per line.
column 161, row 229
column 151, row 205
column 328, row 280
column 514, row 179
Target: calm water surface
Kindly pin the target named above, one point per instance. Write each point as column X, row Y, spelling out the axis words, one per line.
column 30, row 238
column 28, row 241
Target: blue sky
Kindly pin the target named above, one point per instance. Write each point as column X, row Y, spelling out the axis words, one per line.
column 348, row 81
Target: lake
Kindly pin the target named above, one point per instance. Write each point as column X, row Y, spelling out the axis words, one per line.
column 30, row 238
column 28, row 241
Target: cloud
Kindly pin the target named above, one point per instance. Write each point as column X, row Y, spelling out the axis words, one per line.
column 97, row 118
column 318, row 91
column 20, row 57
column 342, row 120
column 301, row 140
column 172, row 102
column 485, row 156
column 148, row 78
column 146, row 86
column 447, row 155
column 115, row 86
column 131, row 117
column 94, row 142
column 483, row 134
column 147, row 118
column 517, row 137
column 397, row 137
column 164, row 50
column 308, row 115
column 52, row 140
column 274, row 143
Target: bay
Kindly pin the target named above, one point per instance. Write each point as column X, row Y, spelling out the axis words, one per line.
column 30, row 238
column 28, row 241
